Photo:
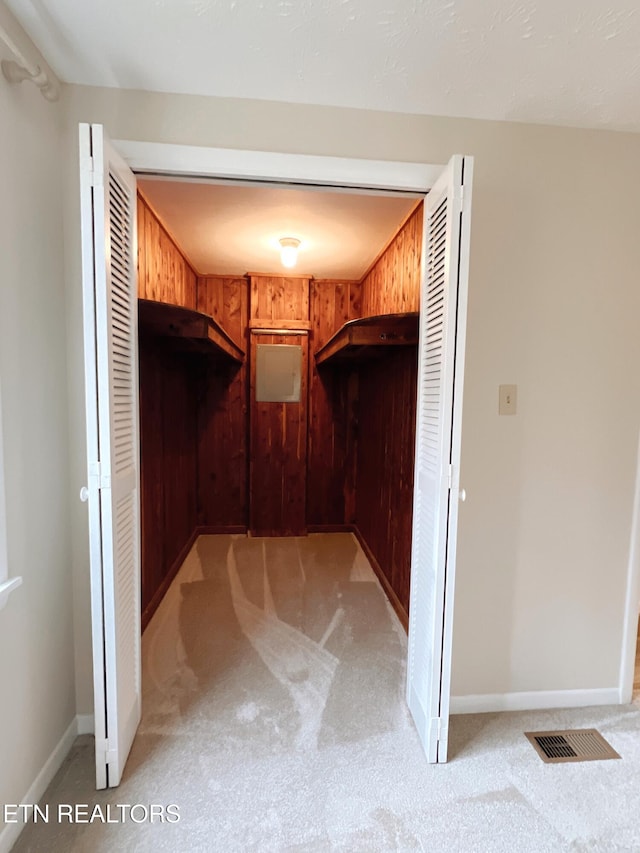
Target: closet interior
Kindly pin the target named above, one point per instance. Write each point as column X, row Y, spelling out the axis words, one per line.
column 239, row 435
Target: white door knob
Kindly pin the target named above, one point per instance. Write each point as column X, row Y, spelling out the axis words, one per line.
column 84, row 494
column 462, row 495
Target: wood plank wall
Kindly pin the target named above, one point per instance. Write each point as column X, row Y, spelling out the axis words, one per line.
column 223, row 499
column 275, row 298
column 386, row 417
column 278, row 457
column 331, row 471
column 164, row 274
column 278, row 431
column 384, row 502
column 392, row 286
column 223, row 462
column 168, row 418
column 168, row 466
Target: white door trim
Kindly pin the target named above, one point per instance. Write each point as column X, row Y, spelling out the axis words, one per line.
column 228, row 163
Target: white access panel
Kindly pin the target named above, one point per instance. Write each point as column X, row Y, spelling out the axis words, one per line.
column 437, row 459
column 109, row 259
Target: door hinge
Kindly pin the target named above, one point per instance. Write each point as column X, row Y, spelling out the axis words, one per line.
column 95, row 178
column 97, row 478
column 105, row 751
column 436, row 728
column 96, row 175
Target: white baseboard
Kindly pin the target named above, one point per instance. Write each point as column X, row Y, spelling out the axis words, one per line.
column 536, row 700
column 82, row 724
column 86, row 724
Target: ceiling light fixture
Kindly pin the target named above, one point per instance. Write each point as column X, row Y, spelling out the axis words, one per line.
column 289, row 251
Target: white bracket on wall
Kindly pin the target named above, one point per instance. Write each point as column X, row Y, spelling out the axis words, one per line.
column 23, row 69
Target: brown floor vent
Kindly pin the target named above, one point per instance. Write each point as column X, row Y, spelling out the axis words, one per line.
column 571, row 745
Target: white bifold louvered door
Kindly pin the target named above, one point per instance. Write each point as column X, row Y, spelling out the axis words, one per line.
column 443, row 307
column 109, row 257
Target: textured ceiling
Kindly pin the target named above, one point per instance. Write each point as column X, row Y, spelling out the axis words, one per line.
column 575, row 62
column 235, row 229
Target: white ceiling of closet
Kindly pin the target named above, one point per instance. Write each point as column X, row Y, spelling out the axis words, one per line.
column 231, row 229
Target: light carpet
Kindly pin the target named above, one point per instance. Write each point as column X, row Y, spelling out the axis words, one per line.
column 274, row 717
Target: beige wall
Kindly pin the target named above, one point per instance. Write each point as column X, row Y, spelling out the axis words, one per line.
column 37, row 702
column 553, row 306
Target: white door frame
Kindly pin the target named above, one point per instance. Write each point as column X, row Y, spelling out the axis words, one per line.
column 183, row 161
column 180, row 161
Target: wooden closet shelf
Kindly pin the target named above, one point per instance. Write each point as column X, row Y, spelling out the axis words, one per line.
column 367, row 337
column 196, row 331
